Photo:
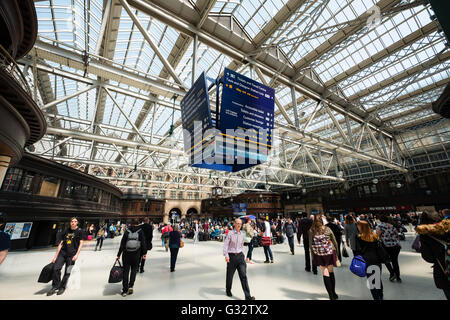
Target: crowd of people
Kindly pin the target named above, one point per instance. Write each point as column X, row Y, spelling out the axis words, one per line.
column 372, row 239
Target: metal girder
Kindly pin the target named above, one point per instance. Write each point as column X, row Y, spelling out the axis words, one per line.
column 104, row 68
column 70, row 96
column 226, row 43
column 382, row 54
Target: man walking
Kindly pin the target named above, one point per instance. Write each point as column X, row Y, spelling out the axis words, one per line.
column 67, row 253
column 289, row 230
column 147, row 229
column 303, row 227
column 133, row 246
column 232, row 250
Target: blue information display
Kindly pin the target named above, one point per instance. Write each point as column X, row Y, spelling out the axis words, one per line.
column 239, row 209
column 245, row 124
column 247, row 105
column 195, row 107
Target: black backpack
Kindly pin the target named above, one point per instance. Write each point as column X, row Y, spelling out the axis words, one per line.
column 133, row 244
column 46, row 273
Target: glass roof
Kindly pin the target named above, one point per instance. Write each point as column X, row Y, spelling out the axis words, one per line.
column 76, row 24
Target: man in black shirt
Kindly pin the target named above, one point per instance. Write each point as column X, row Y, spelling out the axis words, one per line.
column 5, row 241
column 303, row 227
column 147, row 229
column 67, row 253
column 289, row 230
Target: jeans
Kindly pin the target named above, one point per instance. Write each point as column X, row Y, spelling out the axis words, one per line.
column 250, row 250
column 173, row 257
column 130, row 262
column 291, row 243
column 99, row 241
column 267, row 252
column 394, row 268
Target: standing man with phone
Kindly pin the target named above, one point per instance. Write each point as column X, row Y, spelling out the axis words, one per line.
column 232, row 250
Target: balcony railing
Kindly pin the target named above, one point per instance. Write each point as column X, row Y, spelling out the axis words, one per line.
column 9, row 65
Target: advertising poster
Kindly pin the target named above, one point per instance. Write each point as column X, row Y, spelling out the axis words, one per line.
column 18, row 230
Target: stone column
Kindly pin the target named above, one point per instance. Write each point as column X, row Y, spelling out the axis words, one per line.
column 4, row 164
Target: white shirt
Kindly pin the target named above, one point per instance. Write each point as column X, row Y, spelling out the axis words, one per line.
column 267, row 232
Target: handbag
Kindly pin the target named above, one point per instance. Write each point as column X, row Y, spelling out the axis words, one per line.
column 46, row 273
column 344, row 251
column 266, row 241
column 181, row 243
column 416, row 245
column 358, row 266
column 116, row 273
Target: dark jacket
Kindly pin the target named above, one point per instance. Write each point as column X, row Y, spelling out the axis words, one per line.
column 289, row 229
column 432, row 250
column 174, row 239
column 303, row 227
column 368, row 250
column 123, row 242
column 336, row 231
column 148, row 233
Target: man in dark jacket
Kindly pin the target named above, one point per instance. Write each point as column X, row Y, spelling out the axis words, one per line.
column 147, row 229
column 303, row 227
column 133, row 246
column 289, row 230
column 337, row 234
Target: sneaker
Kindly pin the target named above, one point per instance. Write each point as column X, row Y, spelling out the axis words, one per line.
column 61, row 291
column 267, row 261
column 124, row 294
column 307, row 270
column 130, row 291
column 399, row 280
column 141, row 271
column 229, row 294
column 51, row 292
column 271, row 261
column 249, row 298
column 392, row 277
column 315, row 272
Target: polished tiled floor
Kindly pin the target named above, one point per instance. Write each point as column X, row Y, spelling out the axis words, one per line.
column 200, row 275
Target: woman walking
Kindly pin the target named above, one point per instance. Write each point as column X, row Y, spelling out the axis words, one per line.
column 351, row 231
column 368, row 247
column 323, row 251
column 391, row 242
column 248, row 239
column 174, row 245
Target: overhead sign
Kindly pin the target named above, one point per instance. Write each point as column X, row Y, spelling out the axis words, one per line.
column 242, row 134
column 239, row 209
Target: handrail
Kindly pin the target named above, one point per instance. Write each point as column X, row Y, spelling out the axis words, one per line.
column 9, row 64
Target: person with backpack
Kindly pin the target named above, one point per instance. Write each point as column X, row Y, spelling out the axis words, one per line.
column 133, row 246
column 100, row 237
column 289, row 231
column 67, row 253
column 391, row 242
column 368, row 246
column 323, row 250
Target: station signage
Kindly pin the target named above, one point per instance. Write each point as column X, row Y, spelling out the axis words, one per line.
column 241, row 134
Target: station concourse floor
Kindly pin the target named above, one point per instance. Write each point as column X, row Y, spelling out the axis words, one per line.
column 200, row 275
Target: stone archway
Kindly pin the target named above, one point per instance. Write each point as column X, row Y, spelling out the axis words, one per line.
column 174, row 215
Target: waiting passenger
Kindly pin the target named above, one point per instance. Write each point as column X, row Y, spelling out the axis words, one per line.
column 67, row 253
